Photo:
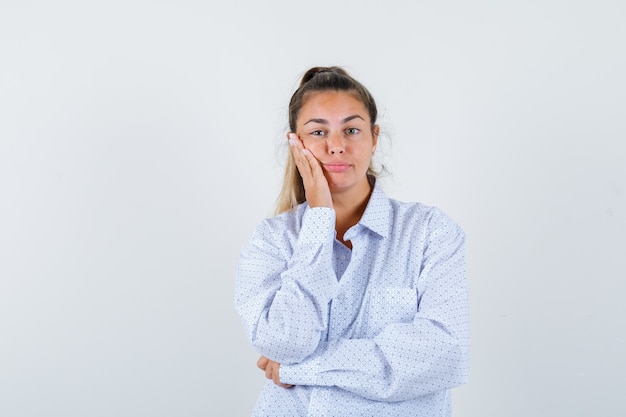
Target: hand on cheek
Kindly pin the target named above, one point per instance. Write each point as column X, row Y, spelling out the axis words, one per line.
column 315, row 184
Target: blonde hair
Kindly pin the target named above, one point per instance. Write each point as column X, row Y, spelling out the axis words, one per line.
column 315, row 80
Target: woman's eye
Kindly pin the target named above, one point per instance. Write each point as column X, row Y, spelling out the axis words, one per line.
column 317, row 133
column 352, row 131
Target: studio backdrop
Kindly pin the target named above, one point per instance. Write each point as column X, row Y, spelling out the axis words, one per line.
column 142, row 141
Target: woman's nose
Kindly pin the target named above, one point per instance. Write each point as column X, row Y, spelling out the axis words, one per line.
column 335, row 144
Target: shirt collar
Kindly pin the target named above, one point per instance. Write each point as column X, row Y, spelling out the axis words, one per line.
column 377, row 215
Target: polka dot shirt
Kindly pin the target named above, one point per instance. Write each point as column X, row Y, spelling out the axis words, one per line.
column 379, row 330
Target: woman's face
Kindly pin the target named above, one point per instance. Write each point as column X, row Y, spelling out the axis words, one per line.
column 335, row 127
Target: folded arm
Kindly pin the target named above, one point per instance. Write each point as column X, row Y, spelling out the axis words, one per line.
column 283, row 298
column 405, row 360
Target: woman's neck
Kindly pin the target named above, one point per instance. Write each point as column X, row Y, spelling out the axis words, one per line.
column 349, row 208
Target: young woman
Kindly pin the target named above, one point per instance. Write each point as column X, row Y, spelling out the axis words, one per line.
column 356, row 302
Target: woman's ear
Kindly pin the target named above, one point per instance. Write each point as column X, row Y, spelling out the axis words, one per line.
column 375, row 133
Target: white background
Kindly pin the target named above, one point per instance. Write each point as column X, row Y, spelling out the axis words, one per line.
column 139, row 147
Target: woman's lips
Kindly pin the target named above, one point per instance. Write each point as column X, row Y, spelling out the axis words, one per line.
column 336, row 167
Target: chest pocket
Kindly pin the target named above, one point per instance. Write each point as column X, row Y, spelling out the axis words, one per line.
column 389, row 305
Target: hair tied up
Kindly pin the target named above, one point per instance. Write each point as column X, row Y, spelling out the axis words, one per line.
column 329, row 71
column 334, row 78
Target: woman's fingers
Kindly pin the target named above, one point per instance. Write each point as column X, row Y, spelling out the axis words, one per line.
column 272, row 371
column 315, row 183
column 299, row 155
column 262, row 363
column 276, row 374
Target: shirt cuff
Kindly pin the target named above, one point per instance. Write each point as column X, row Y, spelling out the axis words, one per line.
column 318, row 226
column 307, row 372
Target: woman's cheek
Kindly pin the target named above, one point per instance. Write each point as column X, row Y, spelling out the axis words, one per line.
column 314, row 148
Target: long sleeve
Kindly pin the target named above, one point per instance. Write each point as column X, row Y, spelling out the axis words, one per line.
column 407, row 359
column 284, row 286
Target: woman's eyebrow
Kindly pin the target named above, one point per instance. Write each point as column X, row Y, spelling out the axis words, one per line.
column 356, row 116
column 320, row 121
column 325, row 122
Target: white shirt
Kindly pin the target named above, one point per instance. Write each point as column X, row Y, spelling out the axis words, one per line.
column 382, row 330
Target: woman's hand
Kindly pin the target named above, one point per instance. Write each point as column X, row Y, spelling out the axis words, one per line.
column 271, row 369
column 315, row 184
